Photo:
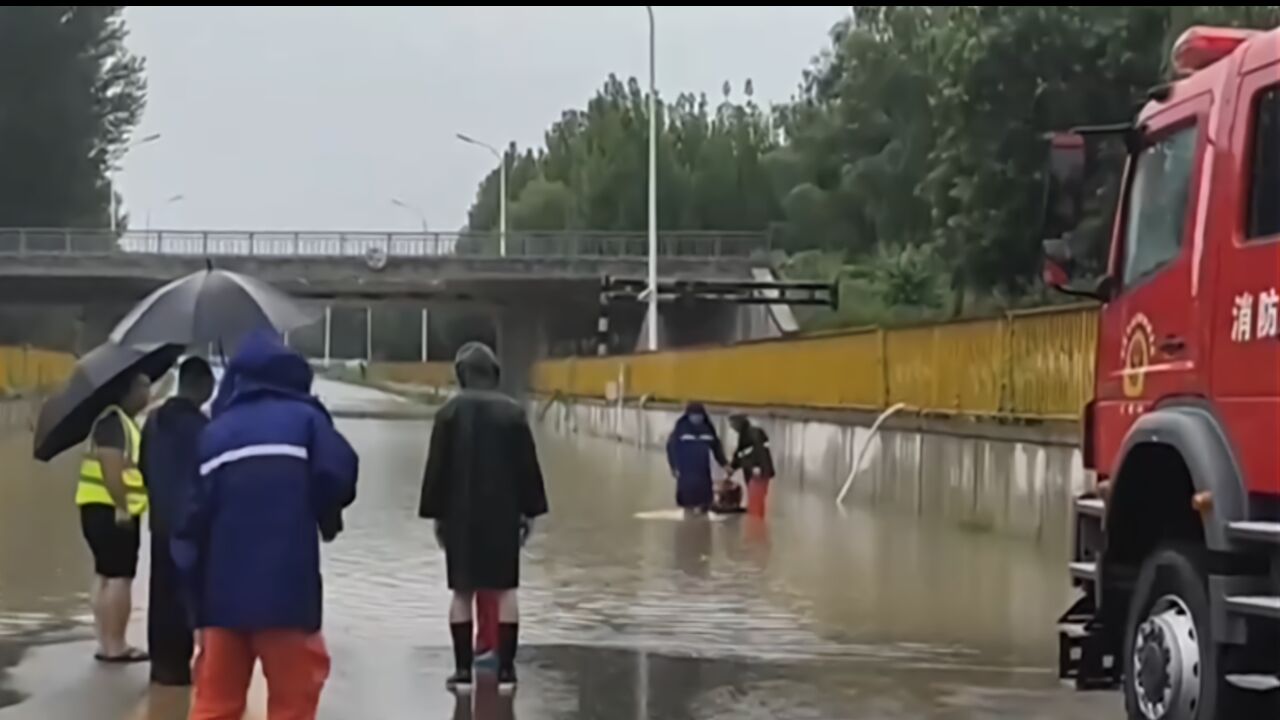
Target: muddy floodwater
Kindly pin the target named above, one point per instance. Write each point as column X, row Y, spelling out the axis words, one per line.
column 816, row 614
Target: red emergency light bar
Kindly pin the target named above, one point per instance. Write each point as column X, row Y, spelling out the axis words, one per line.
column 1200, row 47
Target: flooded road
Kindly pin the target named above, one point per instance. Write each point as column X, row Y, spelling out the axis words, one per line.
column 817, row 614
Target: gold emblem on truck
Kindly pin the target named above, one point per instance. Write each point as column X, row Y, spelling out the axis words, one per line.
column 1135, row 354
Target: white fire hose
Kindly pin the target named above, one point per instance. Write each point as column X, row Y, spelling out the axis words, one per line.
column 857, row 459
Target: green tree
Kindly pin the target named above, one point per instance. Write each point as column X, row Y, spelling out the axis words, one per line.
column 918, row 133
column 1007, row 75
column 69, row 99
column 592, row 172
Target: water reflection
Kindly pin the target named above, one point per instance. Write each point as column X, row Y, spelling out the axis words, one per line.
column 484, row 703
column 692, row 547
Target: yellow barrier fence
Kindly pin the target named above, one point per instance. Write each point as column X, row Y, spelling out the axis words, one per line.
column 432, row 374
column 1036, row 364
column 24, row 369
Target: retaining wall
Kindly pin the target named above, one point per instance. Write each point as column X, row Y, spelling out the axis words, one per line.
column 1011, row 480
column 25, row 369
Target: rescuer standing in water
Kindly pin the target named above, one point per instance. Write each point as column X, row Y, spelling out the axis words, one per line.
column 483, row 487
column 755, row 460
column 690, row 448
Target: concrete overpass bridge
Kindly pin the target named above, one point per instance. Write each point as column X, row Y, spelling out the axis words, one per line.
column 58, row 266
column 545, row 289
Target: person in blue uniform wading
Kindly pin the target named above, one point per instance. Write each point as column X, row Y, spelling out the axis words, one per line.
column 692, row 446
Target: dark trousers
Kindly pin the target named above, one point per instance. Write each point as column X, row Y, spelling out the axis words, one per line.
column 170, row 639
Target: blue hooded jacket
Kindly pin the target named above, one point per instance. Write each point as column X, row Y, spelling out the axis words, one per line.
column 273, row 471
column 690, row 449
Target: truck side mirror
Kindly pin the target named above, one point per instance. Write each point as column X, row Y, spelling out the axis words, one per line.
column 1057, row 267
column 1058, row 270
column 1064, row 194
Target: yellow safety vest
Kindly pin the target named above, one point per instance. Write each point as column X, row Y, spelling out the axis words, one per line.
column 93, row 491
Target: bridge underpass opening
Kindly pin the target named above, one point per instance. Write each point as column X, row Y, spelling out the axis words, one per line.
column 402, row 332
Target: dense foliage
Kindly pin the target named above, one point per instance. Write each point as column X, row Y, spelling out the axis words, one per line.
column 70, row 95
column 911, row 157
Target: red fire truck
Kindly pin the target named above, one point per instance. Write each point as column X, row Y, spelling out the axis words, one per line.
column 1178, row 550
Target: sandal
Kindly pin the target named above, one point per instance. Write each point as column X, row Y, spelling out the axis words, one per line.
column 129, row 656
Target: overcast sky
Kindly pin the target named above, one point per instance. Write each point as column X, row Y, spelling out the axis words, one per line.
column 316, row 117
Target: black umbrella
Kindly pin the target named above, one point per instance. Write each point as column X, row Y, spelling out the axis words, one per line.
column 67, row 418
column 209, row 307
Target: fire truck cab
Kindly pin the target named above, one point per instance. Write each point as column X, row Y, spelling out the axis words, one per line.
column 1177, row 553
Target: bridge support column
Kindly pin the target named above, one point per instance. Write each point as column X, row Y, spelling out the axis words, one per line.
column 602, row 325
column 368, row 333
column 425, row 333
column 328, row 334
column 522, row 341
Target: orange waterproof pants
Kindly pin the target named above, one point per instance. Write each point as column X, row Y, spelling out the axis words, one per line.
column 757, row 496
column 295, row 664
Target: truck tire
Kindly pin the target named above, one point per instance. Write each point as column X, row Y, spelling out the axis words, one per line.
column 1171, row 660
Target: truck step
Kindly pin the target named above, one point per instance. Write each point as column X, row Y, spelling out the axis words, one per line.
column 1091, row 506
column 1084, row 571
column 1255, row 683
column 1260, row 606
column 1257, row 532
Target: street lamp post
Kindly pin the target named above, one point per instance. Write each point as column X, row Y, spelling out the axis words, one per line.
column 111, row 184
column 413, row 209
column 173, row 199
column 653, row 186
column 502, row 189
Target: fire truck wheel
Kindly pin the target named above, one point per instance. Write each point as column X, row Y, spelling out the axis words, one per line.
column 1171, row 666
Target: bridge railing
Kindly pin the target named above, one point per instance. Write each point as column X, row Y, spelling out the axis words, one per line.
column 564, row 244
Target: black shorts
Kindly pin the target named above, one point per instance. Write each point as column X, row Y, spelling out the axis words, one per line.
column 114, row 547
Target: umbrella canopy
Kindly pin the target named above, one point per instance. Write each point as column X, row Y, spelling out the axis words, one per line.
column 67, row 418
column 209, row 307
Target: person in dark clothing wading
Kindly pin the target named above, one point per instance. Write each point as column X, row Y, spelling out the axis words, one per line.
column 483, row 487
column 755, row 460
column 691, row 447
column 170, row 465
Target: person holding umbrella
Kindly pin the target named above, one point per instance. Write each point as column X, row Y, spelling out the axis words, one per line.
column 112, row 497
column 111, row 384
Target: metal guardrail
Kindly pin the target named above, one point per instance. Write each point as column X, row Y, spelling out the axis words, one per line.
column 598, row 245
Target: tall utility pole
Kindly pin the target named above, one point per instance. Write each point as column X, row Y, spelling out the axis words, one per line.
column 652, row 320
column 502, row 188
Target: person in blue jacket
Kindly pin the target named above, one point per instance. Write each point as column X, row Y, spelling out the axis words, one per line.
column 691, row 447
column 274, row 472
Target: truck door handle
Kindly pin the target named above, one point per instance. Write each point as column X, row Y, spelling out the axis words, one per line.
column 1172, row 345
